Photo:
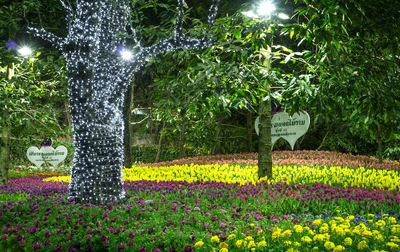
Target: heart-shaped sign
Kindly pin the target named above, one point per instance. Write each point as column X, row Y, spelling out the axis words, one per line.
column 288, row 127
column 47, row 154
column 35, row 156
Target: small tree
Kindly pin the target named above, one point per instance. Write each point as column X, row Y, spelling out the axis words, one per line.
column 98, row 33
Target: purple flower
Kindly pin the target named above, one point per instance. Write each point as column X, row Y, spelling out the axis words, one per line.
column 90, row 230
column 131, row 234
column 131, row 243
column 72, row 249
column 153, row 238
column 150, row 231
column 22, row 243
column 121, row 246
column 19, row 237
column 172, row 249
column 259, row 217
column 142, row 249
column 58, row 248
column 37, row 245
column 88, row 249
column 11, row 45
column 47, row 234
column 88, row 237
column 47, row 243
column 155, row 249
column 188, row 248
column 4, row 236
column 106, row 242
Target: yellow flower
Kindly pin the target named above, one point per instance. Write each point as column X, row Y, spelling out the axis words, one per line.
column 362, row 245
column 316, row 222
column 287, row 243
column 251, row 244
column 287, row 232
column 338, row 248
column 306, row 239
column 215, row 239
column 366, row 234
column 231, row 237
column 348, row 241
column 198, row 244
column 297, row 244
column 395, row 229
column 223, row 250
column 259, row 232
column 252, row 225
column 223, row 245
column 262, row 244
column 298, row 228
column 393, row 246
column 315, row 249
column 324, row 229
column 392, row 220
column 292, row 250
column 239, row 244
column 249, row 238
column 329, row 245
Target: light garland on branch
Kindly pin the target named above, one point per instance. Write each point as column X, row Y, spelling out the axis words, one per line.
column 100, row 68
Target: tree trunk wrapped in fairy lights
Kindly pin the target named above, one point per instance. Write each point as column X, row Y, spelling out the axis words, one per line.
column 100, row 69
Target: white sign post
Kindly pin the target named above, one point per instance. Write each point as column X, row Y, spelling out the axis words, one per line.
column 287, row 127
column 46, row 154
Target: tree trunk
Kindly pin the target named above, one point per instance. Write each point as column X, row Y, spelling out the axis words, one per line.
column 249, row 127
column 265, row 142
column 4, row 155
column 128, row 127
column 159, row 148
column 182, row 138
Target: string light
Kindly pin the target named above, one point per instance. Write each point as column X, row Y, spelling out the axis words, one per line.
column 25, row 51
column 98, row 80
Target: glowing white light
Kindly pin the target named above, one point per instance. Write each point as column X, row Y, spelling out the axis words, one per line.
column 25, row 51
column 283, row 16
column 126, row 54
column 266, row 8
column 250, row 14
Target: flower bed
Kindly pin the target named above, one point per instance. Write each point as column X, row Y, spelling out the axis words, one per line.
column 301, row 157
column 211, row 207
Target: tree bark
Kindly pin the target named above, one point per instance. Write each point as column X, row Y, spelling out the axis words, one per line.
column 4, row 155
column 128, row 127
column 265, row 142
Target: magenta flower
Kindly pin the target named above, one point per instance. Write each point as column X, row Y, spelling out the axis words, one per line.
column 259, row 217
column 47, row 243
column 90, row 230
column 223, row 225
column 47, row 234
column 4, row 236
column 188, row 248
column 131, row 243
column 58, row 248
column 88, row 237
column 106, row 243
column 22, row 243
column 37, row 246
column 131, row 234
column 121, row 246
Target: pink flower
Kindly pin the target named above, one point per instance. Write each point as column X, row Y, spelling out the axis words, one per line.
column 4, row 236
column 223, row 225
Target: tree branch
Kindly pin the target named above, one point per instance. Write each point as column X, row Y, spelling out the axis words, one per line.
column 48, row 36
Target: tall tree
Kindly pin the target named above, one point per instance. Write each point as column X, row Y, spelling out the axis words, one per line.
column 99, row 33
